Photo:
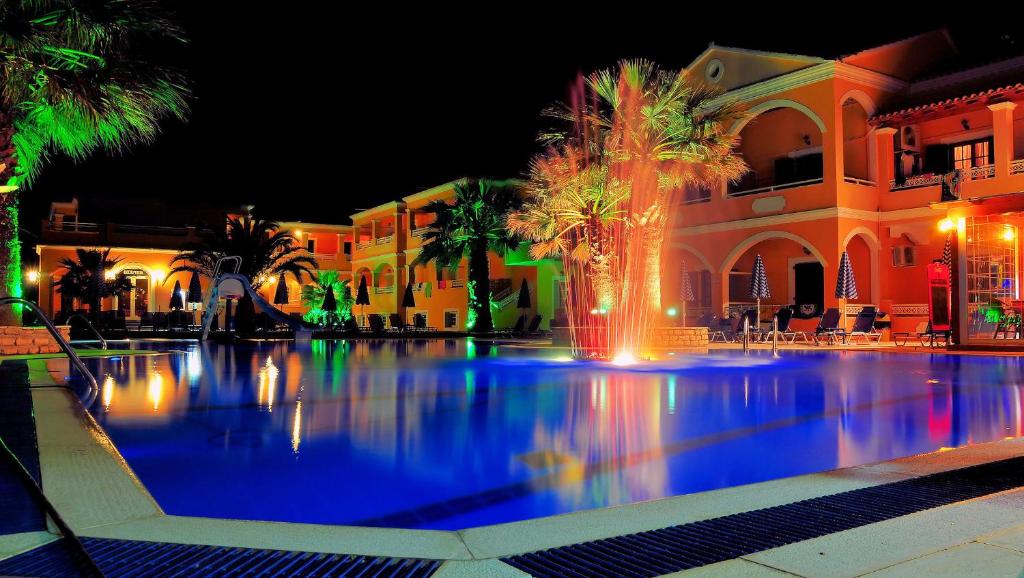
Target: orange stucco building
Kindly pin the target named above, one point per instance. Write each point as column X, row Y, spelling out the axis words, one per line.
column 849, row 154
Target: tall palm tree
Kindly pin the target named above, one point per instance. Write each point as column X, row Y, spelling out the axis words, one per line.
column 600, row 195
column 86, row 279
column 469, row 227
column 312, row 298
column 77, row 76
column 266, row 252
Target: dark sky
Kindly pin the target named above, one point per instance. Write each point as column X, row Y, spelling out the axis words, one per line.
column 321, row 111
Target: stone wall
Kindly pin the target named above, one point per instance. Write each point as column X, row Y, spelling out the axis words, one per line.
column 28, row 340
column 683, row 339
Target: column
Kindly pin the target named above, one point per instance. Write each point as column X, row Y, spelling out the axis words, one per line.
column 885, row 170
column 1002, row 136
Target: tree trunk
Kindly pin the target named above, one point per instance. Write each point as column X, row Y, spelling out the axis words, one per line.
column 480, row 300
column 10, row 244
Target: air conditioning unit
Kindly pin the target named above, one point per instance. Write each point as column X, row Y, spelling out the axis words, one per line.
column 905, row 256
column 909, row 138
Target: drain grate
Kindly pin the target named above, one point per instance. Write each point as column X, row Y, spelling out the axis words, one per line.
column 676, row 548
column 134, row 558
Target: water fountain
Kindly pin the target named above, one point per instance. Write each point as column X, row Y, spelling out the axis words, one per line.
column 600, row 195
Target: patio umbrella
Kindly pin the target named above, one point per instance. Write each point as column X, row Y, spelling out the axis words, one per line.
column 759, row 284
column 362, row 295
column 281, row 293
column 195, row 289
column 947, row 252
column 685, row 289
column 408, row 300
column 846, row 285
column 177, row 303
column 330, row 304
column 524, row 296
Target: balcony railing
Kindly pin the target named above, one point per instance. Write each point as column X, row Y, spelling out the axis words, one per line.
column 856, row 181
column 983, row 172
column 365, row 245
column 779, row 187
column 456, row 283
column 1017, row 167
column 915, row 182
column 419, row 233
column 383, row 290
column 385, row 239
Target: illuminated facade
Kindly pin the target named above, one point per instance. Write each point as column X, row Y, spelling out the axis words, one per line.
column 851, row 154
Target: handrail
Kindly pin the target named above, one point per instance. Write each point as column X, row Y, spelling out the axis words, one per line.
column 94, row 388
column 103, row 342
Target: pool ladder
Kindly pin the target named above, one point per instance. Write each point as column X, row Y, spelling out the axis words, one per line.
column 76, row 361
column 99, row 338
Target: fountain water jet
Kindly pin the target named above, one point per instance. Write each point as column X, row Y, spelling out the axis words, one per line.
column 601, row 194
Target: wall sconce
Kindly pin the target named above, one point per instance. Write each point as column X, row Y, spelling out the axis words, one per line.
column 965, row 124
column 807, row 139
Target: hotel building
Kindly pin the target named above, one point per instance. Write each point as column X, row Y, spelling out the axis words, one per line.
column 873, row 154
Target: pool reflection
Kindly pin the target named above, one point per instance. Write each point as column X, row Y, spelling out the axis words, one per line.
column 451, row 434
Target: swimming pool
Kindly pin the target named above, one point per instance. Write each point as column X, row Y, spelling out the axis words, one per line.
column 449, row 434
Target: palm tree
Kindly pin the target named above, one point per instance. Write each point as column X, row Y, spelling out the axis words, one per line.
column 312, row 298
column 470, row 227
column 265, row 250
column 77, row 76
column 86, row 278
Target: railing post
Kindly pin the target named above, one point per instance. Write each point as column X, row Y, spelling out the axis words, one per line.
column 775, row 336
column 746, row 334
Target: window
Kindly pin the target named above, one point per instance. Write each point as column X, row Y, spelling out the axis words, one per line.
column 311, row 245
column 972, row 154
column 451, row 319
column 347, row 247
column 905, row 256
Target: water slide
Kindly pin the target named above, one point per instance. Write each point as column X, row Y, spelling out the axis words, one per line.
column 231, row 285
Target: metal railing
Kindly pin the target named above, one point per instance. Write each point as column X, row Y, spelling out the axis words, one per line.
column 779, row 187
column 94, row 388
column 857, row 181
column 1017, row 167
column 103, row 342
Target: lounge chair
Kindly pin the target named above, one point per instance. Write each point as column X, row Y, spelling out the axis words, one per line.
column 783, row 318
column 864, row 326
column 828, row 326
column 534, row 329
column 750, row 315
column 376, row 324
column 420, row 323
column 716, row 329
column 396, row 323
column 922, row 332
column 350, row 325
column 516, row 329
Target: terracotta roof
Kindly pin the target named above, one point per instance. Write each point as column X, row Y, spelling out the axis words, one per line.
column 984, row 95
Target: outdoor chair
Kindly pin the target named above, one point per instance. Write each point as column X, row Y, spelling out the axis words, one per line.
column 146, row 320
column 420, row 322
column 350, row 325
column 396, row 322
column 864, row 326
column 516, row 329
column 704, row 320
column 828, row 326
column 750, row 316
column 376, row 324
column 783, row 317
column 922, row 332
column 715, row 329
column 534, row 329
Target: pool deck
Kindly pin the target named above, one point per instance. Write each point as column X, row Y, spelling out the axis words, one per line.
column 97, row 494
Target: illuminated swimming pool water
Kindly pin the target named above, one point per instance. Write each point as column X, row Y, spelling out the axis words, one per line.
column 451, row 434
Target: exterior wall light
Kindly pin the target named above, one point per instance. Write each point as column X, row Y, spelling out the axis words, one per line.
column 33, row 276
column 946, row 225
column 109, row 275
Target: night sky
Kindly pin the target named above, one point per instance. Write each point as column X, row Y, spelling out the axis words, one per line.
column 322, row 112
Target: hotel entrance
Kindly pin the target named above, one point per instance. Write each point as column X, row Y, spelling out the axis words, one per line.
column 133, row 303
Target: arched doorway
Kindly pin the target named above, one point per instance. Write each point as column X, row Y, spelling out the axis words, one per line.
column 131, row 304
column 795, row 271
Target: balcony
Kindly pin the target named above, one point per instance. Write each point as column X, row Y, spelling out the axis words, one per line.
column 78, row 233
column 978, row 173
column 383, row 290
column 773, row 188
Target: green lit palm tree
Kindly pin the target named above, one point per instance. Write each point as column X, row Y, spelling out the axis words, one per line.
column 469, row 227
column 77, row 76
column 266, row 252
column 313, row 294
column 85, row 278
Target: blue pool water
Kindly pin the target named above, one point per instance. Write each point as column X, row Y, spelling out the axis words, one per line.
column 451, row 434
